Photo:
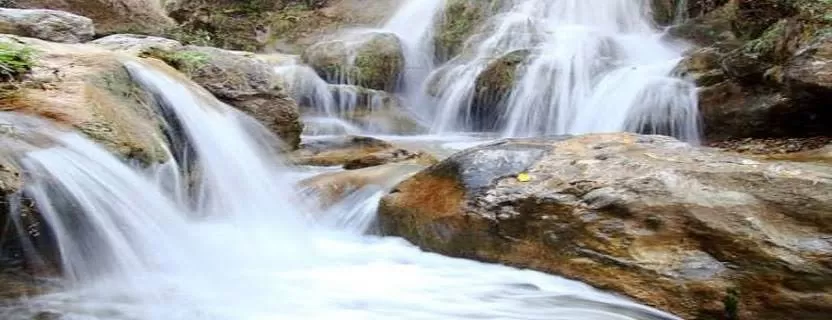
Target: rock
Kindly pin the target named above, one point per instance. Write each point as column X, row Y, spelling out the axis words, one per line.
column 809, row 72
column 354, row 152
column 369, row 59
column 89, row 89
column 493, row 85
column 333, row 187
column 50, row 25
column 461, row 19
column 690, row 230
column 244, row 82
column 111, row 16
column 136, row 44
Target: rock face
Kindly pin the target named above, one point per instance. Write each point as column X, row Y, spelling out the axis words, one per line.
column 244, row 82
column 354, row 152
column 372, row 60
column 111, row 16
column 702, row 234
column 763, row 67
column 50, row 25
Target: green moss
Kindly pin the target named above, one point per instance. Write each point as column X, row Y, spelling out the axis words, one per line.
column 185, row 61
column 15, row 61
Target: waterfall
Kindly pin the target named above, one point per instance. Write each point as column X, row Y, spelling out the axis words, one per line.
column 138, row 243
column 582, row 66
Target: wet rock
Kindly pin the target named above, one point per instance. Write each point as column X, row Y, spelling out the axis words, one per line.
column 88, row 89
column 111, row 16
column 354, row 152
column 493, row 87
column 370, row 59
column 50, row 25
column 243, row 81
column 677, row 227
column 335, row 186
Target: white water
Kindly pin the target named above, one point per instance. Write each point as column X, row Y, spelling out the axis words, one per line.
column 593, row 66
column 241, row 245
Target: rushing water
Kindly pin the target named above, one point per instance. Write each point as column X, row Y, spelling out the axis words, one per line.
column 239, row 243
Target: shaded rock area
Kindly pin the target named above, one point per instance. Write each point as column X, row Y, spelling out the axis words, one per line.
column 762, row 67
column 374, row 60
column 50, row 25
column 239, row 79
column 493, row 87
column 111, row 16
column 354, row 152
column 702, row 234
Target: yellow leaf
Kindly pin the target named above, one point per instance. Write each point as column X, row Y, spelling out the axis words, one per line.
column 524, row 177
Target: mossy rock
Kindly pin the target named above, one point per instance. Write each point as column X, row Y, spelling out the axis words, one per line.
column 493, row 87
column 372, row 60
column 461, row 19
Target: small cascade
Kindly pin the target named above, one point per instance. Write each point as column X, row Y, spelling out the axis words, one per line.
column 329, row 109
column 242, row 246
column 564, row 67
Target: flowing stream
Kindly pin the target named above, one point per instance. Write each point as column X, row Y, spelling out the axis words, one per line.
column 238, row 243
column 221, row 231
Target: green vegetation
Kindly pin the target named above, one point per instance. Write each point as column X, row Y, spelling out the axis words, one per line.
column 732, row 302
column 15, row 61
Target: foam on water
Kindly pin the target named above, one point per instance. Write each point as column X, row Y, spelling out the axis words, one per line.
column 237, row 243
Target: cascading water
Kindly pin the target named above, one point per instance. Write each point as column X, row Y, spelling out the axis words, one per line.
column 584, row 66
column 242, row 245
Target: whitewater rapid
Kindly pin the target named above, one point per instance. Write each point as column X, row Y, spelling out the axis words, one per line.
column 239, row 243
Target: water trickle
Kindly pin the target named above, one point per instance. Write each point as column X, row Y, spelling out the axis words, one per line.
column 242, row 246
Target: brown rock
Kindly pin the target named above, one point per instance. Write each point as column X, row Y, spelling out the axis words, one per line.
column 334, row 186
column 243, row 81
column 354, row 152
column 689, row 230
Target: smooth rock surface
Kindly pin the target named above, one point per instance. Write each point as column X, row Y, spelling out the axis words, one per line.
column 689, row 230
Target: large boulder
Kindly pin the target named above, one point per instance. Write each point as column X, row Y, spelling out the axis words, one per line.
column 111, row 16
column 699, row 233
column 369, row 59
column 244, row 82
column 50, row 25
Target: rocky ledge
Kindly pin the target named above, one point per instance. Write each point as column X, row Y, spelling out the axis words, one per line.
column 694, row 231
